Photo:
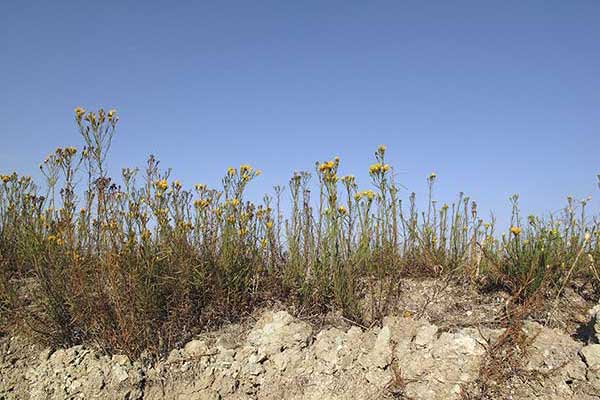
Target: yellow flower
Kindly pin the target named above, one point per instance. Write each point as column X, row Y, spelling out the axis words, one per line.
column 201, row 203
column 200, row 186
column 79, row 112
column 342, row 210
column 177, row 184
column 326, row 166
column 515, row 230
column 385, row 168
column 6, row 178
column 111, row 114
column 269, row 224
column 234, row 202
column 245, row 168
column 161, row 184
column 263, row 243
column 381, row 149
column 348, row 179
column 230, row 171
column 432, row 176
column 375, row 168
column 357, row 196
column 369, row 194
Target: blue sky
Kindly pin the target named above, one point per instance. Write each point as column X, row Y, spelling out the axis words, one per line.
column 495, row 97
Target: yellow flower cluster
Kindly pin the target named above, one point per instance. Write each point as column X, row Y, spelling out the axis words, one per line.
column 379, row 168
column 8, row 178
column 515, row 230
column 368, row 194
column 326, row 166
column 342, row 210
column 161, row 185
column 234, row 202
column 201, row 203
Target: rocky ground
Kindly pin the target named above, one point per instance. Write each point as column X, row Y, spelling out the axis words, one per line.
column 432, row 348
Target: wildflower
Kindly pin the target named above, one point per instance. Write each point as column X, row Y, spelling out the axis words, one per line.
column 79, row 112
column 432, row 176
column 234, row 202
column 348, row 179
column 381, row 149
column 369, row 194
column 375, row 168
column 161, row 184
column 486, row 225
column 200, row 187
column 515, row 230
column 111, row 114
column 357, row 196
column 177, row 184
column 269, row 224
column 245, row 168
column 201, row 203
column 91, row 118
column 263, row 243
column 5, row 178
column 342, row 210
column 230, row 171
column 587, row 236
column 145, row 234
column 326, row 166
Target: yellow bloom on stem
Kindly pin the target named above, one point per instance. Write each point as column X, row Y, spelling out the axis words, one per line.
column 161, row 184
column 269, row 224
column 375, row 168
column 111, row 114
column 327, row 166
column 342, row 210
column 515, row 230
column 79, row 112
column 230, row 171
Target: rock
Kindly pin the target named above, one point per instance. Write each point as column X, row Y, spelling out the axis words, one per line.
column 278, row 331
column 591, row 356
column 595, row 324
column 196, row 348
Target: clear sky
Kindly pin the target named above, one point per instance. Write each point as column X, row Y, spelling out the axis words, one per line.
column 495, row 97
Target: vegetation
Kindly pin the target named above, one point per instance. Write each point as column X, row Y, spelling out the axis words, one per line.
column 142, row 264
